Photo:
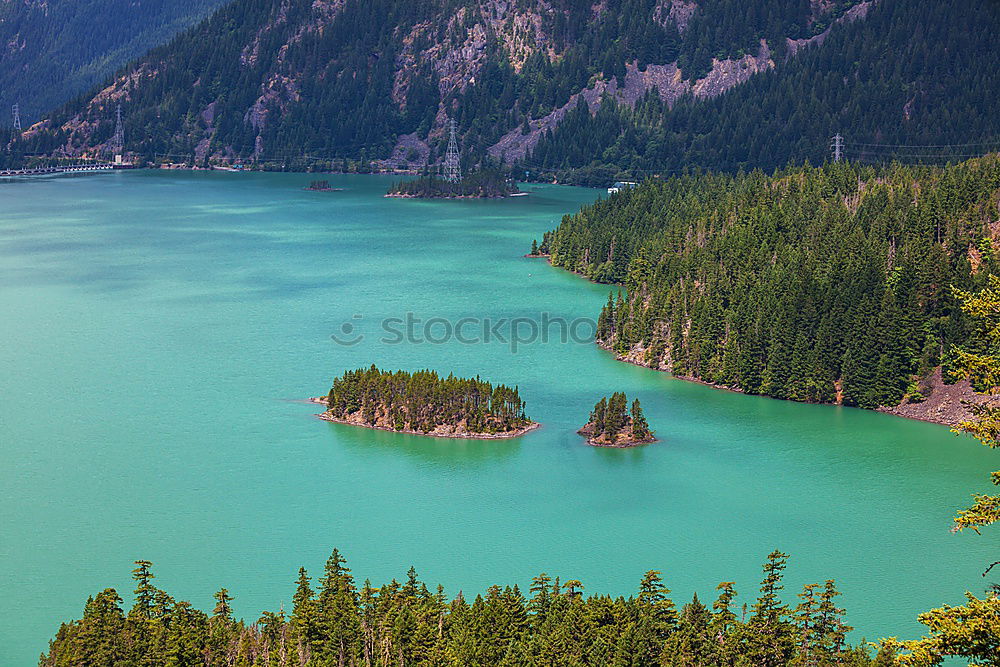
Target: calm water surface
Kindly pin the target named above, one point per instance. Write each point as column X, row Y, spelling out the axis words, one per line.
column 158, row 331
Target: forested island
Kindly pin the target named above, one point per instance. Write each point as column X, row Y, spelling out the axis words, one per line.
column 321, row 186
column 611, row 424
column 828, row 284
column 483, row 184
column 424, row 403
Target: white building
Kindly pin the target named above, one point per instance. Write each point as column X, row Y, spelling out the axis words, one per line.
column 621, row 185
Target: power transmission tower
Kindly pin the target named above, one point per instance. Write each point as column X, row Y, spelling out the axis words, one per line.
column 17, row 118
column 118, row 141
column 838, row 147
column 452, row 161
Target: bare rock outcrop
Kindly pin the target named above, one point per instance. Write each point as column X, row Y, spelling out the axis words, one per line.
column 410, row 152
column 858, row 11
column 667, row 80
column 678, row 12
column 946, row 404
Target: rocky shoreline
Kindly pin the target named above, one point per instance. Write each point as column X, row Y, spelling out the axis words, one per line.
column 626, row 443
column 401, row 195
column 613, row 424
column 944, row 404
column 439, row 432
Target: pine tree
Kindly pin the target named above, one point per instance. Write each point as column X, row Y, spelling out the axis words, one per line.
column 655, row 604
column 303, row 623
column 599, row 415
column 337, row 602
column 640, row 428
column 771, row 639
column 145, row 592
column 831, row 631
column 223, row 611
column 405, row 623
column 806, row 623
column 616, row 416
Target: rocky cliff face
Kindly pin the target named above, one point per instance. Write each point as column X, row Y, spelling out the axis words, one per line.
column 667, row 80
column 857, row 12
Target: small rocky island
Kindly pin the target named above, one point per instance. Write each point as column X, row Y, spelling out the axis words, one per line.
column 424, row 403
column 321, row 186
column 611, row 425
column 483, row 184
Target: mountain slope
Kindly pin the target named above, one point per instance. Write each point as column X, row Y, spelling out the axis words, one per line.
column 278, row 79
column 51, row 50
column 916, row 80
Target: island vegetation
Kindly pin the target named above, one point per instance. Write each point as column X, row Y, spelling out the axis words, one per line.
column 819, row 284
column 321, row 186
column 611, row 424
column 482, row 184
column 425, row 403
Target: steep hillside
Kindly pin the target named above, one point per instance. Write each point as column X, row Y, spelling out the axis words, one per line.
column 52, row 50
column 827, row 284
column 916, row 80
column 275, row 80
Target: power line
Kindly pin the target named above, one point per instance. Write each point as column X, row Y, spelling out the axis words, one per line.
column 452, row 160
column 917, row 155
column 118, row 140
column 838, row 147
column 981, row 143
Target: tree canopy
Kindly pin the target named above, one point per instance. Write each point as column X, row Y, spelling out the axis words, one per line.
column 818, row 284
column 336, row 621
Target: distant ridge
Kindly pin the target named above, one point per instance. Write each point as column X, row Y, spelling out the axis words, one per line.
column 563, row 88
column 52, row 51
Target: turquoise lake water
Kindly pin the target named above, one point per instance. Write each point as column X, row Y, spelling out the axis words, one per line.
column 159, row 330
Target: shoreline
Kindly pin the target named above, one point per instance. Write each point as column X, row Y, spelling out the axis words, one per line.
column 383, row 171
column 319, row 400
column 631, row 445
column 587, row 432
column 891, row 410
column 628, row 445
column 397, row 195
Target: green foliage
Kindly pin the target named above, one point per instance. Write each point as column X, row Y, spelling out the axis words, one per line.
column 408, row 624
column 913, row 73
column 970, row 631
column 484, row 183
column 814, row 284
column 611, row 424
column 979, row 361
column 423, row 401
column 297, row 83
